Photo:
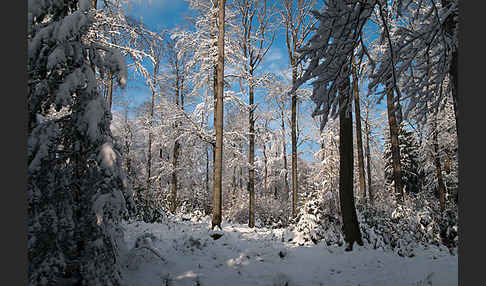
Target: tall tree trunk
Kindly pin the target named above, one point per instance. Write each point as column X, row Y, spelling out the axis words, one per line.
column 352, row 232
column 395, row 148
column 438, row 167
column 359, row 142
column 215, row 78
column 218, row 162
column 149, row 152
column 173, row 197
column 251, row 160
column 241, row 169
column 449, row 26
column 175, row 154
column 265, row 168
column 284, row 152
column 453, row 73
column 233, row 179
column 275, row 191
column 294, row 143
column 207, row 178
column 368, row 160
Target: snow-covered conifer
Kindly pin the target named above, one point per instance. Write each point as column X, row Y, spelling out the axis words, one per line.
column 77, row 191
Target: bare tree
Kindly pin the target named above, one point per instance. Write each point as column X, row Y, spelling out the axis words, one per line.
column 296, row 15
column 255, row 41
column 281, row 106
column 153, row 45
column 177, row 63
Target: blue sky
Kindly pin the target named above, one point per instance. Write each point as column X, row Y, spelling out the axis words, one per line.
column 169, row 14
column 159, row 14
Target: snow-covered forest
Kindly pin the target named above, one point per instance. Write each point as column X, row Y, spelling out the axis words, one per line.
column 253, row 142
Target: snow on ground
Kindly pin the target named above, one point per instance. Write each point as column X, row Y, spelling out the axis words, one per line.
column 244, row 256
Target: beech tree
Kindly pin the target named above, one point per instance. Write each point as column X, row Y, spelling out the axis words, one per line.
column 177, row 64
column 359, row 137
column 218, row 124
column 352, row 232
column 255, row 41
column 296, row 16
column 277, row 92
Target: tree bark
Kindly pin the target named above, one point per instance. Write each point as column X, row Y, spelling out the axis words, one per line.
column 251, row 159
column 265, row 168
column 368, row 160
column 352, row 232
column 438, row 167
column 395, row 148
column 241, row 169
column 449, row 26
column 173, row 198
column 175, row 154
column 218, row 162
column 207, row 179
column 215, row 79
column 284, row 151
column 293, row 132
column 359, row 142
column 149, row 152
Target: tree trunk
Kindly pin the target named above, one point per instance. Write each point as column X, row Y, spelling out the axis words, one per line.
column 207, row 179
column 368, row 160
column 149, row 152
column 215, row 79
column 352, row 232
column 294, row 144
column 395, row 148
column 438, row 167
column 109, row 96
column 251, row 160
column 241, row 169
column 275, row 191
column 449, row 26
column 173, row 197
column 233, row 179
column 175, row 154
column 359, row 142
column 284, row 151
column 265, row 168
column 218, row 162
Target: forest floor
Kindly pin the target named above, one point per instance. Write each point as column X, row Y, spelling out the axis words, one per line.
column 244, row 256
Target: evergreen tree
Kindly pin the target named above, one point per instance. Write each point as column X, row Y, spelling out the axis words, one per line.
column 76, row 189
column 409, row 160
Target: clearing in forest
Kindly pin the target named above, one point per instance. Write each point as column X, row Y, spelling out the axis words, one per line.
column 258, row 256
